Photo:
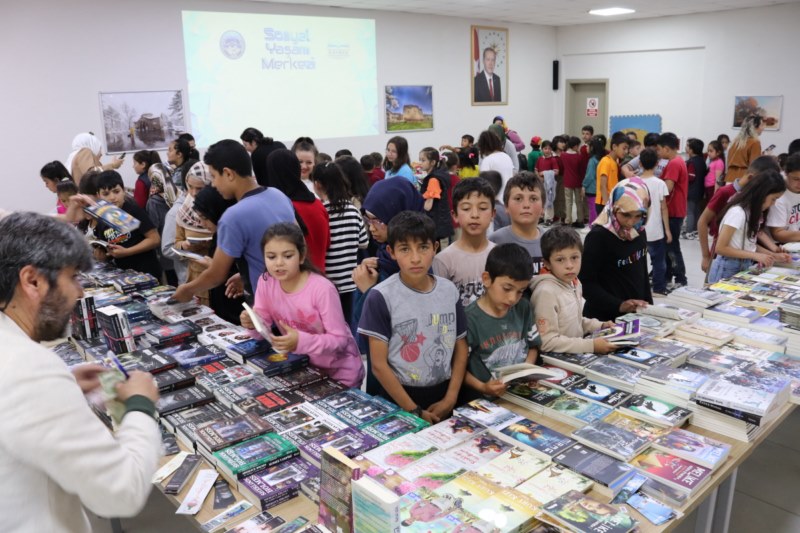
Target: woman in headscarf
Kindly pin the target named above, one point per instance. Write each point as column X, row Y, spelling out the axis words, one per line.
column 162, row 197
column 210, row 206
column 86, row 153
column 190, row 225
column 283, row 169
column 614, row 265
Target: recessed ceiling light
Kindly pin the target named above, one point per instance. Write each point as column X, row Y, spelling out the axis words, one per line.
column 611, row 11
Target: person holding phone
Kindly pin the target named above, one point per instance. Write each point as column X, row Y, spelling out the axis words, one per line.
column 86, row 153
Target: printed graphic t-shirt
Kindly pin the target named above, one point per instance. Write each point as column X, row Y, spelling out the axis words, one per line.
column 785, row 213
column 464, row 269
column 421, row 328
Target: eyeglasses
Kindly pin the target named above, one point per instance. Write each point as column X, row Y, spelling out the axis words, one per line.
column 372, row 221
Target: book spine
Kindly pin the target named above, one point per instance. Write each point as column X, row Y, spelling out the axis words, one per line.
column 254, row 469
column 734, row 413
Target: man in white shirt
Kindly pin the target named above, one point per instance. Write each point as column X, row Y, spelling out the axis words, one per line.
column 55, row 455
column 487, row 83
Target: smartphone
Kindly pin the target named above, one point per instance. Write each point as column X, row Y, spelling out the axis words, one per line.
column 122, row 156
column 769, row 148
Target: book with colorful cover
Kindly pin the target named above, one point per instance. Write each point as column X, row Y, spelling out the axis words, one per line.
column 668, row 347
column 654, row 410
column 299, row 379
column 552, row 482
column 640, row 358
column 173, row 379
column 193, row 354
column 562, row 378
column 276, row 484
column 672, row 470
column 664, row 493
column 313, row 430
column 640, row 428
column 605, row 369
column 196, row 415
column 247, row 348
column 575, row 410
column 393, row 425
column 113, row 216
column 611, row 439
column 217, row 376
column 401, row 452
column 424, row 511
column 675, row 377
column 660, row 326
column 741, row 397
column 544, row 441
column 355, row 407
column 618, row 332
column 693, row 447
column 349, row 441
column 275, row 364
column 510, row 510
column 486, row 413
column 584, row 514
column 512, row 467
column 477, row 451
column 243, row 389
column 531, row 393
column 471, row 488
column 597, row 392
column 295, row 416
column 268, row 402
column 258, row 524
column 451, row 432
column 575, row 362
column 652, row 509
column 251, row 456
column 181, row 399
column 781, row 364
column 376, row 509
column 717, row 361
column 430, row 472
column 221, row 433
column 754, row 377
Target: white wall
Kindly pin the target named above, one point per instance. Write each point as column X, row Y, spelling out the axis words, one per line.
column 689, row 68
column 56, row 56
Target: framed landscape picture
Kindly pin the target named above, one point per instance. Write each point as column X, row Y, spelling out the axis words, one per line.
column 142, row 120
column 489, row 65
column 769, row 107
column 409, row 108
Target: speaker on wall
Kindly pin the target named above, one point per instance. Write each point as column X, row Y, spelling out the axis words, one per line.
column 555, row 75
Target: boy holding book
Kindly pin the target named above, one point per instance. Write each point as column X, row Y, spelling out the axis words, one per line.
column 558, row 300
column 523, row 198
column 463, row 261
column 135, row 250
column 500, row 329
column 415, row 325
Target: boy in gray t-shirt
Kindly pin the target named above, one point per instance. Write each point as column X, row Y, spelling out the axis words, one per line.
column 415, row 325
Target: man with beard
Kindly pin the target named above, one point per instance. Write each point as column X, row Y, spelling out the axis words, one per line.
column 55, row 455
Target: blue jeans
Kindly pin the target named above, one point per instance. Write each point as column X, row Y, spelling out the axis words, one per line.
column 675, row 265
column 658, row 258
column 724, row 267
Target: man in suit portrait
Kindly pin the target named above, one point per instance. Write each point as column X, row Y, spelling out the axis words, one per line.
column 487, row 83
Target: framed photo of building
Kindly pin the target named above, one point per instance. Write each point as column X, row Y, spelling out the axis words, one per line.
column 489, row 65
column 409, row 108
column 142, row 120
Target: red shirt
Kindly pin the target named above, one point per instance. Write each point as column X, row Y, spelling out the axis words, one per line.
column 315, row 217
column 548, row 163
column 573, row 179
column 676, row 172
column 717, row 204
column 454, row 179
column 375, row 175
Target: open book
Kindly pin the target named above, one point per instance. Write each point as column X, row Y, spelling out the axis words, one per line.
column 188, row 255
column 199, row 240
column 261, row 328
column 621, row 333
column 521, row 370
column 97, row 242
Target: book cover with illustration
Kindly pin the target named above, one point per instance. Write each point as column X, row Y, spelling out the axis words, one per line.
column 672, row 470
column 477, row 451
column 302, row 435
column 193, row 354
column 220, row 376
column 640, row 428
column 277, row 484
column 251, row 456
column 577, row 411
column 393, row 426
column 693, row 447
column 113, row 216
column 485, row 413
column 294, row 416
column 603, row 469
column 430, row 472
column 320, row 390
column 562, row 378
column 509, row 510
column 585, row 514
column 605, row 369
column 181, row 399
column 424, row 511
column 268, row 402
column 473, row 491
column 356, row 408
column 349, row 441
column 525, row 391
column 542, row 440
column 611, row 439
column 221, row 433
column 640, row 358
column 299, row 379
column 597, row 392
column 451, row 432
column 401, row 452
column 655, row 410
column 513, row 467
column 552, row 482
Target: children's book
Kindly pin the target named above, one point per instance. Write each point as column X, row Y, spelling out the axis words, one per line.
column 542, row 440
column 611, row 439
column 513, row 467
column 584, row 514
column 376, row 509
column 477, row 451
column 486, row 413
column 553, row 482
column 451, row 432
column 430, row 472
column 693, row 447
column 401, row 452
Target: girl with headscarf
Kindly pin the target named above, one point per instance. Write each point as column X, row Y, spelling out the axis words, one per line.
column 283, row 169
column 210, row 206
column 86, row 153
column 161, row 199
column 614, row 265
column 190, row 225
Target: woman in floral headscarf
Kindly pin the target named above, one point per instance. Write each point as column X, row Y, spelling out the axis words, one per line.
column 614, row 266
column 190, row 225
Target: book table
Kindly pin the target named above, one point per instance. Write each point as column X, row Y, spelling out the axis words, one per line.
column 713, row 501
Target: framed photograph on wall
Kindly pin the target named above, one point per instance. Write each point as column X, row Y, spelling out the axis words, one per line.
column 489, row 65
column 769, row 107
column 409, row 108
column 141, row 120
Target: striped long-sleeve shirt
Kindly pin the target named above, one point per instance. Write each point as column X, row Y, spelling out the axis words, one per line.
column 348, row 234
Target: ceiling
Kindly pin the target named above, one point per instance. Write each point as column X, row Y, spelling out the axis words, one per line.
column 545, row 12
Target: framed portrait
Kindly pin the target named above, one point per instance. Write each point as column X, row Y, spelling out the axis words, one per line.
column 769, row 107
column 489, row 65
column 409, row 107
column 141, row 120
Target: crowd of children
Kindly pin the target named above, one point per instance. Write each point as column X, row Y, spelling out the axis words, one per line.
column 444, row 270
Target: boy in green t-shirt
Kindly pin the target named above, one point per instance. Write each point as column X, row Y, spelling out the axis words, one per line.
column 500, row 327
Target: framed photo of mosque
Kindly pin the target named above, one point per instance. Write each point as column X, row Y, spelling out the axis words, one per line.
column 141, row 120
column 409, row 108
column 489, row 65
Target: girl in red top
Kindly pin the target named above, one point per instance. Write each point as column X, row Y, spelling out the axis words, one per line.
column 548, row 167
column 283, row 169
column 142, row 161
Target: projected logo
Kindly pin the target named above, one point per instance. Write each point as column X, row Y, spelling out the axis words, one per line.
column 232, row 44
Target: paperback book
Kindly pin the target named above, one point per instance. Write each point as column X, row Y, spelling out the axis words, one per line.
column 599, row 393
column 430, row 472
column 313, row 430
column 193, row 354
column 608, row 474
column 671, row 470
column 267, row 403
column 179, row 400
column 393, row 425
column 640, row 358
column 218, row 375
column 112, row 216
column 640, row 428
column 277, row 484
column 320, row 390
column 562, row 378
column 532, row 394
column 348, row 441
column 552, row 482
column 613, row 440
column 693, row 447
column 513, row 467
column 543, row 441
column 299, row 379
column 251, row 456
column 451, row 432
column 477, row 451
column 401, row 452
column 587, row 515
column 574, row 362
column 651, row 409
column 575, row 410
column 223, row 432
column 486, row 413
column 275, row 364
column 173, row 379
column 615, row 373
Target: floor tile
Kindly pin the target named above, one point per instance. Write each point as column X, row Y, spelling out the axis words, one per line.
column 771, row 474
column 751, row 515
column 787, row 433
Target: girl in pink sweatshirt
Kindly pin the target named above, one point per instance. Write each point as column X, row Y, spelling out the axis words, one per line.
column 304, row 305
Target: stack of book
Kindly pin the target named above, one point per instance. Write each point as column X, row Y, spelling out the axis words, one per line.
column 614, row 373
column 680, row 474
column 533, row 394
column 573, row 362
column 656, row 411
column 84, row 319
column 674, row 385
column 611, row 439
column 116, row 329
column 695, row 299
column 249, row 457
column 693, row 447
column 607, row 473
column 697, row 333
column 571, row 511
column 625, row 333
column 576, row 410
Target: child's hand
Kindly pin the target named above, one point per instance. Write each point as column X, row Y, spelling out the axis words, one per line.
column 603, row 346
column 764, row 260
column 429, row 417
column 494, row 387
column 705, row 263
column 365, row 275
column 286, row 342
column 234, row 287
column 117, row 252
column 630, row 306
column 781, row 257
column 442, row 408
column 607, row 324
column 244, row 318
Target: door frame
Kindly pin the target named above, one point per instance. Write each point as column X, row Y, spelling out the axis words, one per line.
column 570, row 94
